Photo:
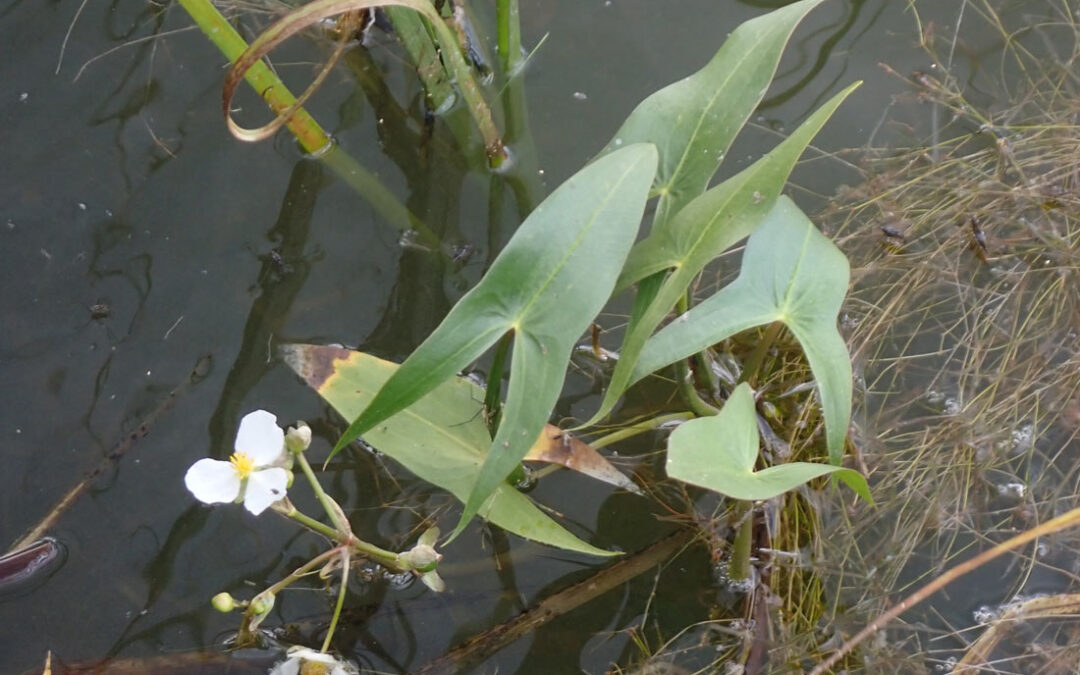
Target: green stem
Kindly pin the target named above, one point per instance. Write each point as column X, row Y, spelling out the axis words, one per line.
column 685, row 378
column 454, row 60
column 314, row 525
column 639, row 428
column 263, row 80
column 245, row 637
column 345, row 564
column 508, row 21
column 424, row 54
column 751, row 373
column 387, row 559
column 493, row 393
column 332, row 510
column 739, row 566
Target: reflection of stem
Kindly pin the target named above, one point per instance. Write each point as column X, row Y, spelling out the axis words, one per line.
column 340, row 600
column 487, row 643
column 331, row 509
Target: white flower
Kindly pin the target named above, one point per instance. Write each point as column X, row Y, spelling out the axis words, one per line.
column 251, row 473
column 302, row 661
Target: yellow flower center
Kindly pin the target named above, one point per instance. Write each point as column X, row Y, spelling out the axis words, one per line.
column 242, row 464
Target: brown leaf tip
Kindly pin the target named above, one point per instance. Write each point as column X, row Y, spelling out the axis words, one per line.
column 313, row 363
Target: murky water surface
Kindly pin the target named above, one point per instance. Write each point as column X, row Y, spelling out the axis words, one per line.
column 151, row 263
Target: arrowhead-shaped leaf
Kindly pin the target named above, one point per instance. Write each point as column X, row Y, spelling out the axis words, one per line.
column 693, row 121
column 719, row 453
column 700, row 232
column 790, row 273
column 441, row 437
column 547, row 285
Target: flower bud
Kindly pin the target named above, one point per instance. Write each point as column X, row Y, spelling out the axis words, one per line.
column 262, row 604
column 223, row 602
column 298, row 438
column 422, row 558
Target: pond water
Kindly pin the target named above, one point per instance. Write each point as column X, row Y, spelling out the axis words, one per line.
column 151, row 264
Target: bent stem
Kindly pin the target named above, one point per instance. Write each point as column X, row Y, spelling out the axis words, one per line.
column 263, row 80
column 245, row 636
column 308, row 133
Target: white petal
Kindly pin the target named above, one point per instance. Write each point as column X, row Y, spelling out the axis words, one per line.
column 212, row 481
column 289, row 666
column 264, row 487
column 260, row 438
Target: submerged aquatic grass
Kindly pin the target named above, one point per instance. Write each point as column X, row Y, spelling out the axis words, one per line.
column 963, row 321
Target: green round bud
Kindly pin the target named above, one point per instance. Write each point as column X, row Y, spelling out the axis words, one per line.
column 223, row 602
column 262, row 604
column 423, row 558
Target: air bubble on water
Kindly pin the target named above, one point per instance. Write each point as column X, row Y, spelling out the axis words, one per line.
column 984, row 614
column 617, row 142
column 401, row 580
column 952, row 406
column 934, row 397
column 24, row 97
column 580, row 95
column 408, row 238
column 722, row 575
column 82, row 206
column 527, row 483
column 1012, row 490
column 442, row 109
column 1023, row 437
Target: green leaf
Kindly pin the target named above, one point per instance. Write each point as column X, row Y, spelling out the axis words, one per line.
column 441, row 438
column 790, row 273
column 701, row 231
column 549, row 282
column 719, row 453
column 694, row 121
